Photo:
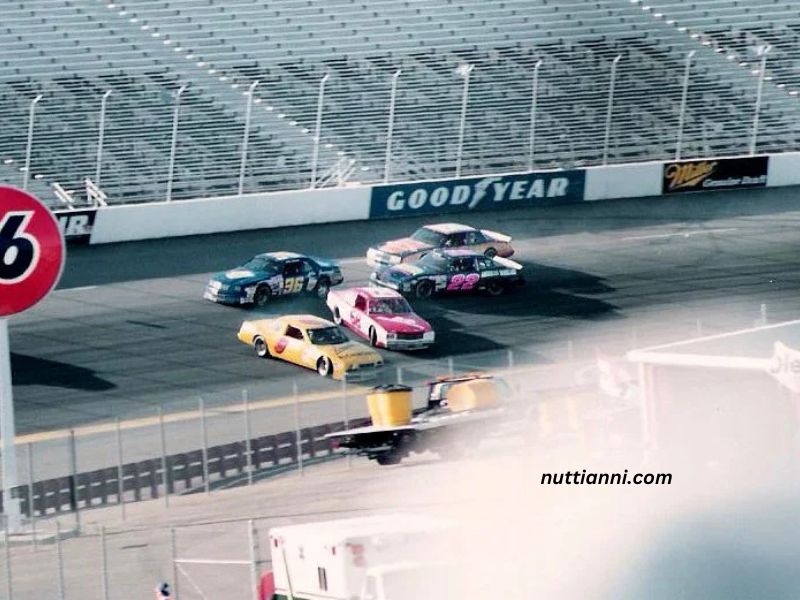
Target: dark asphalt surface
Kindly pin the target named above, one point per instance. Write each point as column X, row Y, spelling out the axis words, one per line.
column 612, row 275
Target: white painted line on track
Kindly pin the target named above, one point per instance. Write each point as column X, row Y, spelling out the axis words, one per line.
column 78, row 289
column 684, row 234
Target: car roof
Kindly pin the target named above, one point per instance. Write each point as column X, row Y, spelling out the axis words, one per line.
column 306, row 321
column 459, row 253
column 449, row 227
column 281, row 255
column 376, row 292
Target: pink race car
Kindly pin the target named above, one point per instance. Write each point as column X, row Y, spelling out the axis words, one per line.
column 382, row 316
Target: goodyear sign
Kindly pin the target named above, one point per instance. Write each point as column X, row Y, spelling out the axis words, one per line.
column 477, row 193
column 715, row 174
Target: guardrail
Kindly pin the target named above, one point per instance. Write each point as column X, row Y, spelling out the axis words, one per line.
column 120, row 223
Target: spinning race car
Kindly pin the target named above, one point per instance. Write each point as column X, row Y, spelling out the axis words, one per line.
column 453, row 236
column 451, row 271
column 314, row 343
column 382, row 316
column 270, row 275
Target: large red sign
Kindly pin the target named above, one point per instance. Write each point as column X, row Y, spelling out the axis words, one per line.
column 31, row 251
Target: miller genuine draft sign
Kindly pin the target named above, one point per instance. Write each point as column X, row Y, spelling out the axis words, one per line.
column 715, row 174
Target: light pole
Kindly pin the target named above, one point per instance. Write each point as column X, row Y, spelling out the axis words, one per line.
column 101, row 137
column 684, row 99
column 464, row 71
column 29, row 147
column 176, row 113
column 610, row 108
column 318, row 130
column 390, row 129
column 246, row 137
column 763, row 51
column 534, row 101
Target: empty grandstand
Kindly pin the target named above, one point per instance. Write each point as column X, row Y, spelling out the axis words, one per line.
column 464, row 75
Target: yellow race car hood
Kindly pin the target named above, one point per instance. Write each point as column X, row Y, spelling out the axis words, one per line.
column 352, row 352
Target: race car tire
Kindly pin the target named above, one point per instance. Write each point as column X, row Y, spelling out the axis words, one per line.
column 490, row 253
column 373, row 337
column 495, row 287
column 424, row 289
column 337, row 316
column 261, row 348
column 323, row 287
column 324, row 367
column 262, row 295
column 392, row 457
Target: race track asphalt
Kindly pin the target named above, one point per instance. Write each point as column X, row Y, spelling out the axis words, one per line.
column 127, row 330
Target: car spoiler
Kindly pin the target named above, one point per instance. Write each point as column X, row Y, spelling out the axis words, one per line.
column 498, row 237
column 507, row 262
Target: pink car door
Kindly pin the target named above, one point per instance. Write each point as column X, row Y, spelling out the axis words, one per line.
column 358, row 312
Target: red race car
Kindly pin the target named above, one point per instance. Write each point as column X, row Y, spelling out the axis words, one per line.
column 382, row 316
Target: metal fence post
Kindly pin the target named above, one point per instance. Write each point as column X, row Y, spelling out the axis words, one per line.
column 204, row 435
column 464, row 71
column 763, row 51
column 101, row 137
column 165, row 479
column 251, row 535
column 104, row 562
column 248, row 446
column 534, row 101
column 246, row 136
column 73, row 467
column 31, row 501
column 29, row 146
column 120, row 473
column 176, row 114
column 9, row 583
column 59, row 562
column 299, row 437
column 387, row 170
column 450, row 366
column 173, row 550
column 684, row 99
column 318, row 130
column 399, row 375
column 346, row 416
column 510, row 354
column 610, row 108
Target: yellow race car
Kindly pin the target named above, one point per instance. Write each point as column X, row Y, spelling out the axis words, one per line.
column 314, row 343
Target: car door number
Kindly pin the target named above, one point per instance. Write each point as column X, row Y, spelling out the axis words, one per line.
column 463, row 282
column 293, row 285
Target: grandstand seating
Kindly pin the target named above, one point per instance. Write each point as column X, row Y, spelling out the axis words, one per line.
column 143, row 50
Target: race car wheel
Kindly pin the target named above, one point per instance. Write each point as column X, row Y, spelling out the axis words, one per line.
column 392, row 457
column 261, row 295
column 324, row 366
column 337, row 316
column 490, row 253
column 323, row 287
column 495, row 287
column 373, row 336
column 261, row 348
column 424, row 289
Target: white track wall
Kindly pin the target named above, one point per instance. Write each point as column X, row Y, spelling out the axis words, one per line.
column 229, row 213
column 282, row 209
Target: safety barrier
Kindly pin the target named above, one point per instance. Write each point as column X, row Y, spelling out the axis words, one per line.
column 460, row 195
column 177, row 473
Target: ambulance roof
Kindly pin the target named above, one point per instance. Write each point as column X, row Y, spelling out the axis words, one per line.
column 344, row 529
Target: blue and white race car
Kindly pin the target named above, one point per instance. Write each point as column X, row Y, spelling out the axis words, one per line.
column 451, row 271
column 267, row 276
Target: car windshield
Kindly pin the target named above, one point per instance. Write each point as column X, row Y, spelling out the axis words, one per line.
column 259, row 263
column 389, row 306
column 326, row 335
column 428, row 236
column 435, row 261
